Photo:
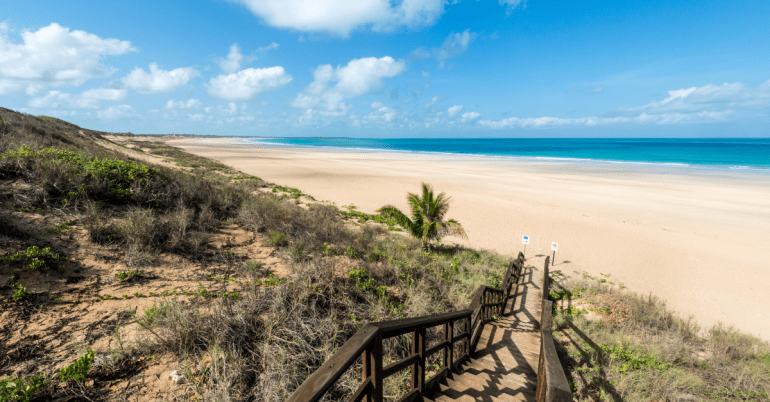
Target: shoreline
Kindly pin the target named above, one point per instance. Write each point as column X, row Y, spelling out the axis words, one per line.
column 722, row 167
column 667, row 232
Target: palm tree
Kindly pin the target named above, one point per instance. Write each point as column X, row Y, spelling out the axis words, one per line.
column 427, row 222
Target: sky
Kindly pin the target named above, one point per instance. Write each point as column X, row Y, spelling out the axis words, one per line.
column 392, row 68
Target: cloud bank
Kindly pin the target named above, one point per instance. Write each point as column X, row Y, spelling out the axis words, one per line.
column 358, row 77
column 247, row 84
column 340, row 17
column 708, row 103
column 54, row 56
column 157, row 80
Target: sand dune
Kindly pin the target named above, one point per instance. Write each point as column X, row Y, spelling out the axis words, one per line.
column 698, row 239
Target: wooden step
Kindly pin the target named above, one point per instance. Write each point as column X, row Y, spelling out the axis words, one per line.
column 504, row 367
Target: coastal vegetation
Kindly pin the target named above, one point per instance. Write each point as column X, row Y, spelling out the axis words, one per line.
column 427, row 222
column 618, row 345
column 123, row 259
column 187, row 235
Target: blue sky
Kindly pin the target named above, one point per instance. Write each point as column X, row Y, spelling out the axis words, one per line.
column 384, row 68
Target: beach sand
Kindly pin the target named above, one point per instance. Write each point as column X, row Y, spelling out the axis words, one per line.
column 699, row 239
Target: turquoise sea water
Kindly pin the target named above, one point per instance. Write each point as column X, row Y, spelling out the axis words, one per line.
column 728, row 153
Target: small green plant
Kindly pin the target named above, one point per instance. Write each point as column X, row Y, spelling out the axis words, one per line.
column 327, row 250
column 273, row 280
column 127, row 275
column 362, row 217
column 632, row 358
column 20, row 390
column 79, row 369
column 20, row 293
column 351, row 253
column 60, row 228
column 38, row 258
column 292, row 192
column 277, row 239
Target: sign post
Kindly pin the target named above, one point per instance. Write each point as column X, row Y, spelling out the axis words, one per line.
column 554, row 247
column 525, row 241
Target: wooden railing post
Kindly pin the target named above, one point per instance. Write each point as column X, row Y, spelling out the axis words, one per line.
column 366, row 369
column 445, row 357
column 469, row 330
column 376, row 370
column 449, row 336
column 546, row 279
column 420, row 360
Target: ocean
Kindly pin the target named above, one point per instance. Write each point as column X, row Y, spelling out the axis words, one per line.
column 724, row 153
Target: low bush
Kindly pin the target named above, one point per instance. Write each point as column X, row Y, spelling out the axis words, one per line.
column 21, row 390
column 37, row 258
column 78, row 370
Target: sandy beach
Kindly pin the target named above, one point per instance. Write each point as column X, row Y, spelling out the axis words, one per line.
column 696, row 238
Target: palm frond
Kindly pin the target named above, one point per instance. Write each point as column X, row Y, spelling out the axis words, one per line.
column 453, row 228
column 427, row 221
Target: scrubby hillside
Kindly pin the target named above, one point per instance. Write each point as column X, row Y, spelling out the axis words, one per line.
column 123, row 259
column 157, row 260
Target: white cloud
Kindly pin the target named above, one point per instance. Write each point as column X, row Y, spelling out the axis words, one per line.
column 117, row 112
column 230, row 110
column 597, row 90
column 157, row 80
column 247, row 84
column 470, row 116
column 189, row 104
column 232, row 62
column 708, row 103
column 454, row 45
column 235, row 59
column 432, row 101
column 109, row 94
column 54, row 56
column 513, row 4
column 452, row 111
column 420, row 53
column 339, row 17
column 358, row 77
column 271, row 46
column 381, row 114
column 376, row 105
column 425, row 75
column 89, row 99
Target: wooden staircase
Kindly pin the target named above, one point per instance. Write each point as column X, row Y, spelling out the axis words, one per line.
column 498, row 349
column 504, row 367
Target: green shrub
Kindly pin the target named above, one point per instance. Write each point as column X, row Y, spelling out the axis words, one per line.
column 277, row 239
column 19, row 292
column 38, row 258
column 20, row 390
column 121, row 174
column 59, row 228
column 128, row 275
column 79, row 369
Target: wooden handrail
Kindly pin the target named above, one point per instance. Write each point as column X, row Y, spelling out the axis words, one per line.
column 552, row 384
column 367, row 343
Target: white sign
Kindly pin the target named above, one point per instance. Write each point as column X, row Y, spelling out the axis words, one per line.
column 554, row 246
column 525, row 240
